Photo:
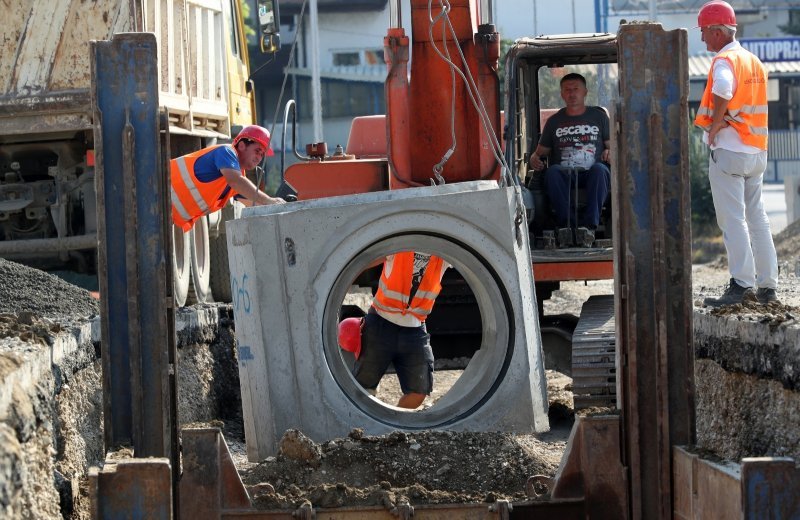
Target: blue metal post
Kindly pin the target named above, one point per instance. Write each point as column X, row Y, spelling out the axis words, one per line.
column 137, row 343
column 652, row 261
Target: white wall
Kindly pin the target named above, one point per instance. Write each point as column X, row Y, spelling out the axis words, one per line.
column 353, row 31
column 518, row 18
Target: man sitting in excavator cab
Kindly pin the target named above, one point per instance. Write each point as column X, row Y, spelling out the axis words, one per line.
column 575, row 141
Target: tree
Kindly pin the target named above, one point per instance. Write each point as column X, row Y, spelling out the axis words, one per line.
column 793, row 27
column 703, row 213
column 249, row 23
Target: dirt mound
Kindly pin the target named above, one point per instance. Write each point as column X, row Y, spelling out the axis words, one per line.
column 425, row 467
column 28, row 328
column 774, row 313
column 787, row 242
column 24, row 289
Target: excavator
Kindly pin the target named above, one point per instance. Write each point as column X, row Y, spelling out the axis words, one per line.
column 633, row 460
column 445, row 123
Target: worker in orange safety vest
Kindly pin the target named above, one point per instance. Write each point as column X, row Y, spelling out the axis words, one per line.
column 733, row 115
column 204, row 181
column 393, row 330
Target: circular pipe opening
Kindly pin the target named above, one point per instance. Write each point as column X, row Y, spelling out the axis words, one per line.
column 485, row 369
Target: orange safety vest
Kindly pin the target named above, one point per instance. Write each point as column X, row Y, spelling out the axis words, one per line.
column 747, row 109
column 191, row 198
column 394, row 290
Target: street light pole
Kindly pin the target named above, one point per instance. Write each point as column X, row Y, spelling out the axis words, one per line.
column 316, row 87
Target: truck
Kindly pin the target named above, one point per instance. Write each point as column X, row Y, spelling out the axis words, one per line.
column 445, row 122
column 47, row 193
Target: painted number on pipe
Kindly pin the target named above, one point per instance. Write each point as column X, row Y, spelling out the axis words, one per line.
column 241, row 297
column 245, row 354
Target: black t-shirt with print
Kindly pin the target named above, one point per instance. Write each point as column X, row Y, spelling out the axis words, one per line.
column 576, row 141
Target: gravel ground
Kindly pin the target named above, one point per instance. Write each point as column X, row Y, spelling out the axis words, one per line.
column 23, row 289
column 421, row 467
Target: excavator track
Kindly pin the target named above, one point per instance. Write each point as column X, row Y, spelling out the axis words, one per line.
column 594, row 373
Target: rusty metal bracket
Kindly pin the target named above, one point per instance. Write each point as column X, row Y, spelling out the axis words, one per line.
column 591, row 468
column 135, row 488
column 757, row 488
column 403, row 511
column 503, row 509
column 210, row 482
column 304, row 512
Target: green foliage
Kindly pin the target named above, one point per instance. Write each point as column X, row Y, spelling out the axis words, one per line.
column 550, row 88
column 248, row 23
column 505, row 45
column 793, row 27
column 703, row 214
column 273, row 176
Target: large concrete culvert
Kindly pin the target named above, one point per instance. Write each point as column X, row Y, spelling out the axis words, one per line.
column 292, row 266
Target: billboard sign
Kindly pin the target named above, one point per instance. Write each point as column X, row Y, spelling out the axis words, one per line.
column 773, row 49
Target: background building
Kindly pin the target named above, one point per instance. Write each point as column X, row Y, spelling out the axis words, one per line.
column 350, row 54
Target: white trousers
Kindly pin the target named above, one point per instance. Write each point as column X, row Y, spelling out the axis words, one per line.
column 736, row 180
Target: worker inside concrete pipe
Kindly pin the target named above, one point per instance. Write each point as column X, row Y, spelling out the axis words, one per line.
column 393, row 332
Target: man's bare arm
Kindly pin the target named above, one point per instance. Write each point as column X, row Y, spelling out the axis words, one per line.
column 717, row 118
column 535, row 160
column 244, row 187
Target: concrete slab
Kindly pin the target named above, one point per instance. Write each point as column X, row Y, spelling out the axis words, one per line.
column 754, row 345
column 791, row 192
column 291, row 267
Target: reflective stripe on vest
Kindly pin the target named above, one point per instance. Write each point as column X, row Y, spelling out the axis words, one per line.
column 394, row 290
column 747, row 111
column 191, row 199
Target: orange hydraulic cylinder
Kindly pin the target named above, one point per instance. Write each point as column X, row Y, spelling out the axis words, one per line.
column 487, row 47
column 395, row 53
column 442, row 112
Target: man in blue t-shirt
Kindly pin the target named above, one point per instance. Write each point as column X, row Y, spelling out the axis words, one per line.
column 576, row 139
column 203, row 181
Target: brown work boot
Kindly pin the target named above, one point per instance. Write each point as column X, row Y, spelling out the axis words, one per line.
column 766, row 295
column 584, row 237
column 733, row 294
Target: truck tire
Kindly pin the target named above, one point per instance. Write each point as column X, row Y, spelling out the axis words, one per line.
column 200, row 289
column 181, row 266
column 220, row 271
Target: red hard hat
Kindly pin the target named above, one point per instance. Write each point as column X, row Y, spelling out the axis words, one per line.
column 350, row 335
column 716, row 12
column 258, row 134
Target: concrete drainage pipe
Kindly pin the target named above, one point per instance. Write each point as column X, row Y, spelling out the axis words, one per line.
column 291, row 267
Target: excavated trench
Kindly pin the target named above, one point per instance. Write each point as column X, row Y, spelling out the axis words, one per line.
column 747, row 394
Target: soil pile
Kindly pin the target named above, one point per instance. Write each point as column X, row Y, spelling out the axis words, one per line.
column 787, row 242
column 425, row 467
column 24, row 289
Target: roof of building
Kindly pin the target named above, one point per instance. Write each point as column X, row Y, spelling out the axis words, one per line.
column 700, row 65
column 693, row 5
column 368, row 73
column 289, row 7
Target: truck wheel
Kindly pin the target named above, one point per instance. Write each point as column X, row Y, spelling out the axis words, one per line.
column 181, row 261
column 200, row 290
column 220, row 271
